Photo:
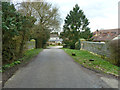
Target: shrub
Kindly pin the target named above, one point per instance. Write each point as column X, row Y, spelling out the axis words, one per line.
column 66, row 46
column 78, row 45
column 45, row 45
column 115, row 51
column 59, row 44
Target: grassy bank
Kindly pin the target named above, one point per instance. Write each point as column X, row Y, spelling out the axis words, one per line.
column 29, row 54
column 83, row 57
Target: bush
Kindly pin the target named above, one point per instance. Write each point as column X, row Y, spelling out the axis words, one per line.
column 78, row 45
column 45, row 45
column 115, row 51
column 59, row 44
column 66, row 46
column 72, row 46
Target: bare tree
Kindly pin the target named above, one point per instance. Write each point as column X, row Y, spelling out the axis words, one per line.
column 48, row 19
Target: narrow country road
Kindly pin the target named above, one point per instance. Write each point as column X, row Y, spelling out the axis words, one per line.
column 53, row 68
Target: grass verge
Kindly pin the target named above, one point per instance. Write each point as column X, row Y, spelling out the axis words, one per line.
column 29, row 54
column 9, row 69
column 82, row 57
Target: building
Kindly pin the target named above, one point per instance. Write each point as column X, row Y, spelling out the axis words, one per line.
column 105, row 35
column 54, row 39
column 116, row 38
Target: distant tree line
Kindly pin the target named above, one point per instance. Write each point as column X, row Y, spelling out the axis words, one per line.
column 30, row 20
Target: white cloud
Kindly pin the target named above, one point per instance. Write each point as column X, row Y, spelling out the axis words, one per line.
column 103, row 23
column 101, row 13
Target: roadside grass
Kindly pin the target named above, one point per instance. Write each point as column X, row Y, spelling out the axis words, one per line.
column 82, row 57
column 29, row 54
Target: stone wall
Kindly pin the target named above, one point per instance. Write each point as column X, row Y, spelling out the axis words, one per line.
column 31, row 44
column 99, row 48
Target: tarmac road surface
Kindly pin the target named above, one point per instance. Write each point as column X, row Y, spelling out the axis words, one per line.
column 53, row 68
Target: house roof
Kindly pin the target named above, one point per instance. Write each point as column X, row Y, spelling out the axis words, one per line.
column 105, row 35
column 53, row 35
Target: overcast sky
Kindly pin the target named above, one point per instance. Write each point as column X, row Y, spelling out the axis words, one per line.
column 102, row 14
